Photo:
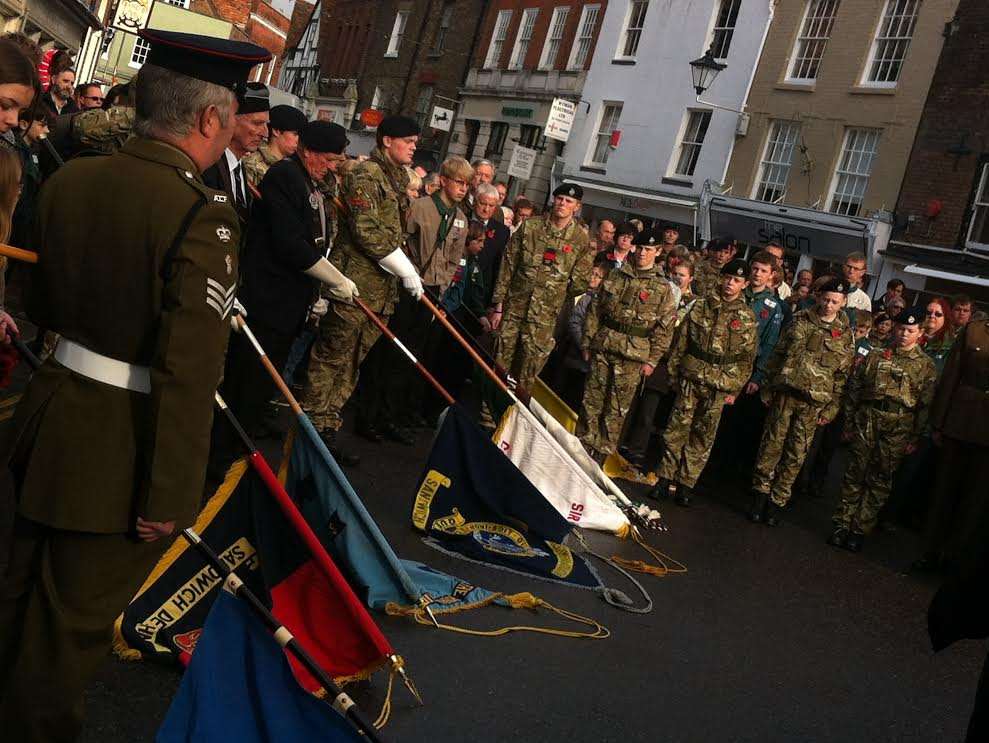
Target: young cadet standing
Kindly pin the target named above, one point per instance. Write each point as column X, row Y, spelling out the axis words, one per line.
column 112, row 433
column 886, row 413
column 707, row 272
column 712, row 358
column 628, row 329
column 806, row 377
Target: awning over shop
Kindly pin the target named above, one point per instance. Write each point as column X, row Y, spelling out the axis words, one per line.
column 652, row 204
column 940, row 263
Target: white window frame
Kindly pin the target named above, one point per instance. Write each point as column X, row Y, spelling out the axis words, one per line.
column 446, row 18
column 980, row 207
column 523, row 38
column 679, row 152
column 106, row 41
column 812, row 41
column 397, row 33
column 140, row 49
column 607, row 122
column 554, row 37
column 178, row 3
column 891, row 41
column 776, row 160
column 579, row 55
column 725, row 8
column 498, row 36
column 853, row 170
column 631, row 35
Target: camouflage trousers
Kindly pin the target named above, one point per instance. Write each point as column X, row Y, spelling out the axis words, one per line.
column 690, row 432
column 523, row 348
column 608, row 395
column 345, row 336
column 877, row 448
column 786, row 439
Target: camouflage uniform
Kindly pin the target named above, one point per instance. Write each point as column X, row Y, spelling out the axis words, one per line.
column 539, row 263
column 629, row 323
column 707, row 278
column 103, row 131
column 257, row 163
column 807, row 374
column 712, row 357
column 373, row 195
column 887, row 408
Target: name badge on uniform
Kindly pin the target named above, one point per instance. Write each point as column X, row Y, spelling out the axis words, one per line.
column 459, row 223
column 863, row 351
column 220, row 198
column 771, row 303
column 463, row 262
column 314, row 200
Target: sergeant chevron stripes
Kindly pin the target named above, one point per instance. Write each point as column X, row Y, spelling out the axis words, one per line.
column 220, row 299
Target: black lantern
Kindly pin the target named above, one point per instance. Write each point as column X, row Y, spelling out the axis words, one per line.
column 704, row 70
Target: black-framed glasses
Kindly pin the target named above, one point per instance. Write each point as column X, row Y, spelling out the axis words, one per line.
column 934, row 314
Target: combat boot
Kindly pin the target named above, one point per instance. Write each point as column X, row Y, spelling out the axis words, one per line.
column 684, row 495
column 757, row 509
column 662, row 489
column 773, row 513
column 854, row 542
column 344, row 458
column 838, row 537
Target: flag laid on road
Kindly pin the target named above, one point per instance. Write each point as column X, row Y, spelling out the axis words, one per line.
column 239, row 687
column 476, row 504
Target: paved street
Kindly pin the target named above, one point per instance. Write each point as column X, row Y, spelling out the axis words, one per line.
column 772, row 635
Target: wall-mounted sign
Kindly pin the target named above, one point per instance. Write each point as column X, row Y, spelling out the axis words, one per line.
column 441, row 119
column 523, row 158
column 132, row 15
column 516, row 112
column 560, row 120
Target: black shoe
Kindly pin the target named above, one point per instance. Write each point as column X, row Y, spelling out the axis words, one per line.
column 838, row 537
column 368, row 432
column 684, row 495
column 854, row 542
column 344, row 458
column 772, row 514
column 662, row 489
column 757, row 509
column 635, row 458
column 394, row 433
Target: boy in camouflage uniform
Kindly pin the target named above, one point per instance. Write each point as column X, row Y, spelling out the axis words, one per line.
column 545, row 257
column 713, row 352
column 886, row 413
column 628, row 329
column 707, row 274
column 806, row 376
column 284, row 124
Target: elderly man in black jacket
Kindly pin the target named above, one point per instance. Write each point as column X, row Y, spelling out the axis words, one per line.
column 283, row 264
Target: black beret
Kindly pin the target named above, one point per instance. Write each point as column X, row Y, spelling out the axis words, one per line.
column 398, row 127
column 222, row 62
column 720, row 243
column 664, row 226
column 253, row 99
column 569, row 189
column 736, row 267
column 835, row 285
column 649, row 236
column 324, row 136
column 910, row 316
column 286, row 119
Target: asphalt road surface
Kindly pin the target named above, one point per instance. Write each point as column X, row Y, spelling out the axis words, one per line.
column 771, row 636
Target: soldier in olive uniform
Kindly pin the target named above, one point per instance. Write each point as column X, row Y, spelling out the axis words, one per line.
column 806, row 376
column 886, row 413
column 547, row 258
column 285, row 124
column 707, row 273
column 369, row 251
column 713, row 352
column 628, row 328
column 112, row 433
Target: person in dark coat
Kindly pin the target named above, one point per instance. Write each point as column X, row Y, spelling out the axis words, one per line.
column 496, row 235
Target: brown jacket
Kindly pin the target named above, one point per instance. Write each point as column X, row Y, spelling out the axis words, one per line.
column 961, row 404
column 436, row 263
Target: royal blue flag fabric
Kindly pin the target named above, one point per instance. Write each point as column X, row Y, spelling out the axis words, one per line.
column 474, row 503
column 239, row 687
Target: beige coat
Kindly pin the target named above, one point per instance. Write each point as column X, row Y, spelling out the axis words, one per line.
column 436, row 263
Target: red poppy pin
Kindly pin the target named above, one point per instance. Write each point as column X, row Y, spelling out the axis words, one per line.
column 610, row 256
column 568, row 248
column 764, row 314
column 549, row 256
column 735, row 324
column 489, row 234
column 888, row 354
column 835, row 333
column 643, row 296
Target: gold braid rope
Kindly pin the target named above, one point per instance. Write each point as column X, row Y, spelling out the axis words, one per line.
column 666, row 564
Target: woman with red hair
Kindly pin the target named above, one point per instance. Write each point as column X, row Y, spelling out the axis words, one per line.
column 939, row 331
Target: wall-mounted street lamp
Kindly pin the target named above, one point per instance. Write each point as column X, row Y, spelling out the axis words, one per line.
column 703, row 71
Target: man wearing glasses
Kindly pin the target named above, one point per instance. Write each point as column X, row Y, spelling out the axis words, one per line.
column 854, row 270
column 88, row 96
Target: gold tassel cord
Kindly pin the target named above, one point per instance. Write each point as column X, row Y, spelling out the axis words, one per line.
column 666, row 564
column 385, row 713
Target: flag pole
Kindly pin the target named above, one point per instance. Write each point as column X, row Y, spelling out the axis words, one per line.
column 341, row 702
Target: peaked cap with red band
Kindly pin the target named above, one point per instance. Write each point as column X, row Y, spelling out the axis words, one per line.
column 223, row 62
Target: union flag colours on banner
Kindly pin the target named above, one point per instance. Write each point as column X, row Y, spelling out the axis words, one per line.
column 474, row 503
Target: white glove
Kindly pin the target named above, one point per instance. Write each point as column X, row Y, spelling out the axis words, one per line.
column 242, row 310
column 397, row 263
column 320, row 307
column 341, row 288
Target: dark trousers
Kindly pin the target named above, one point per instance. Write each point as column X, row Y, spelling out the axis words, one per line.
column 978, row 724
column 739, row 434
column 449, row 361
column 959, row 513
column 827, row 440
column 59, row 598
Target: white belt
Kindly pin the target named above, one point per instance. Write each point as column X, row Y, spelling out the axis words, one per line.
column 102, row 368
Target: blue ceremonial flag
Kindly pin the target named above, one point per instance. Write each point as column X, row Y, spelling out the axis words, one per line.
column 239, row 687
column 474, row 503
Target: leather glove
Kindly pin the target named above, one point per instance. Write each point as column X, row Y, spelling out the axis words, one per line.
column 340, row 287
column 397, row 263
